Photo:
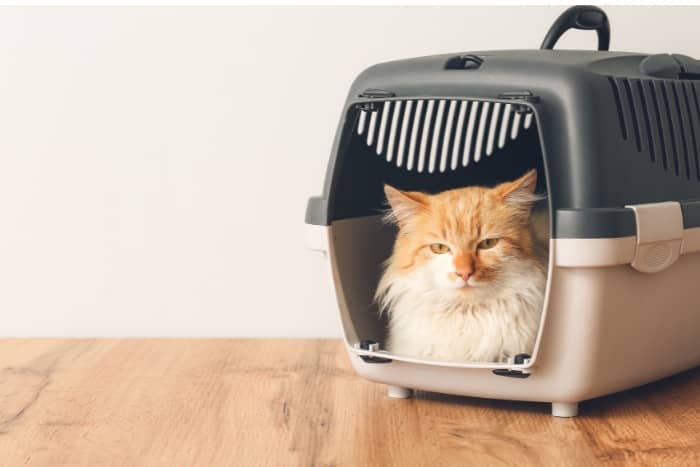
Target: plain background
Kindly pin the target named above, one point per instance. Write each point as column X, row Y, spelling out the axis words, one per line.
column 156, row 161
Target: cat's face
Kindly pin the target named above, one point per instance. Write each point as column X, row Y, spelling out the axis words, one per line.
column 467, row 240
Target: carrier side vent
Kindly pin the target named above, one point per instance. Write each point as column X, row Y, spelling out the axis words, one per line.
column 436, row 135
column 661, row 117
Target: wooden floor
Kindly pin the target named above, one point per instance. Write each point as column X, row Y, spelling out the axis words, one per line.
column 297, row 402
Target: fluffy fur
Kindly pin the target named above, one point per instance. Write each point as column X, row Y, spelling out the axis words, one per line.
column 434, row 312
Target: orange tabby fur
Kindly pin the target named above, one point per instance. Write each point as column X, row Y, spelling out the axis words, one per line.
column 441, row 305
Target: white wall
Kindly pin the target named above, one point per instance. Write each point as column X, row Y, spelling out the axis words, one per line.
column 156, row 161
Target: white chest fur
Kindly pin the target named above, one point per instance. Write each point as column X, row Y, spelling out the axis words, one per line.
column 431, row 324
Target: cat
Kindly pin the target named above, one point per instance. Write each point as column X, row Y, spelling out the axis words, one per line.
column 467, row 276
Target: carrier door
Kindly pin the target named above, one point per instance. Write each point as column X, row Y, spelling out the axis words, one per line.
column 422, row 144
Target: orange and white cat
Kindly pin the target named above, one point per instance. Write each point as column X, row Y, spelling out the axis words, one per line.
column 466, row 279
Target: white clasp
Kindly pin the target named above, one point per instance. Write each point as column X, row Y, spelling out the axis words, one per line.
column 317, row 237
column 659, row 235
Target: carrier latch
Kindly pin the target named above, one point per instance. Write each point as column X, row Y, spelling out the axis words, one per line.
column 520, row 96
column 372, row 346
column 659, row 235
column 520, row 359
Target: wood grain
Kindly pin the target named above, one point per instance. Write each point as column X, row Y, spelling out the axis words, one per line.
column 297, row 402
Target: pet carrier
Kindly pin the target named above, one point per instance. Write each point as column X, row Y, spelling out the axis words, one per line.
column 616, row 137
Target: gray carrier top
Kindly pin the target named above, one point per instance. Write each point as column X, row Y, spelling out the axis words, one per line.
column 612, row 129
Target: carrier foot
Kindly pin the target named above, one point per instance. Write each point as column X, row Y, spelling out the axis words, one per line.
column 564, row 409
column 397, row 392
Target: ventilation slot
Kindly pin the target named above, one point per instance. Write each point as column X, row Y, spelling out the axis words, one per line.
column 618, row 104
column 694, row 111
column 427, row 124
column 414, row 135
column 492, row 128
column 433, row 135
column 458, row 131
column 661, row 129
column 485, row 108
column 685, row 128
column 672, row 124
column 470, row 132
column 661, row 117
column 370, row 130
column 689, row 108
column 361, row 123
column 639, row 88
column 633, row 114
column 392, row 131
column 516, row 126
column 503, row 134
column 447, row 135
column 406, row 122
column 382, row 127
column 436, row 136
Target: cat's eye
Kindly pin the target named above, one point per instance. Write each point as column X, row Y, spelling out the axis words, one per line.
column 487, row 243
column 439, row 248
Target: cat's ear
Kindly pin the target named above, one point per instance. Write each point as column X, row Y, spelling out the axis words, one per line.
column 520, row 192
column 404, row 204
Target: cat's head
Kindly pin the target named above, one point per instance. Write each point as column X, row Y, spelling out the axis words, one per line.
column 468, row 241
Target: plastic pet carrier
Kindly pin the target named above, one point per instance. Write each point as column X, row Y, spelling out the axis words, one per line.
column 615, row 138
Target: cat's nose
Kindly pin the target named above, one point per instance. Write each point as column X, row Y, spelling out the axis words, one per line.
column 464, row 265
column 465, row 273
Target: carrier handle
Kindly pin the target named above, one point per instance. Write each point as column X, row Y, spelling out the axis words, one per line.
column 580, row 17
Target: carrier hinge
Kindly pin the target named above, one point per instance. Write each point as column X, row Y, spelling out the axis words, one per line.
column 520, row 359
column 522, row 96
column 372, row 346
column 372, row 93
column 659, row 235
